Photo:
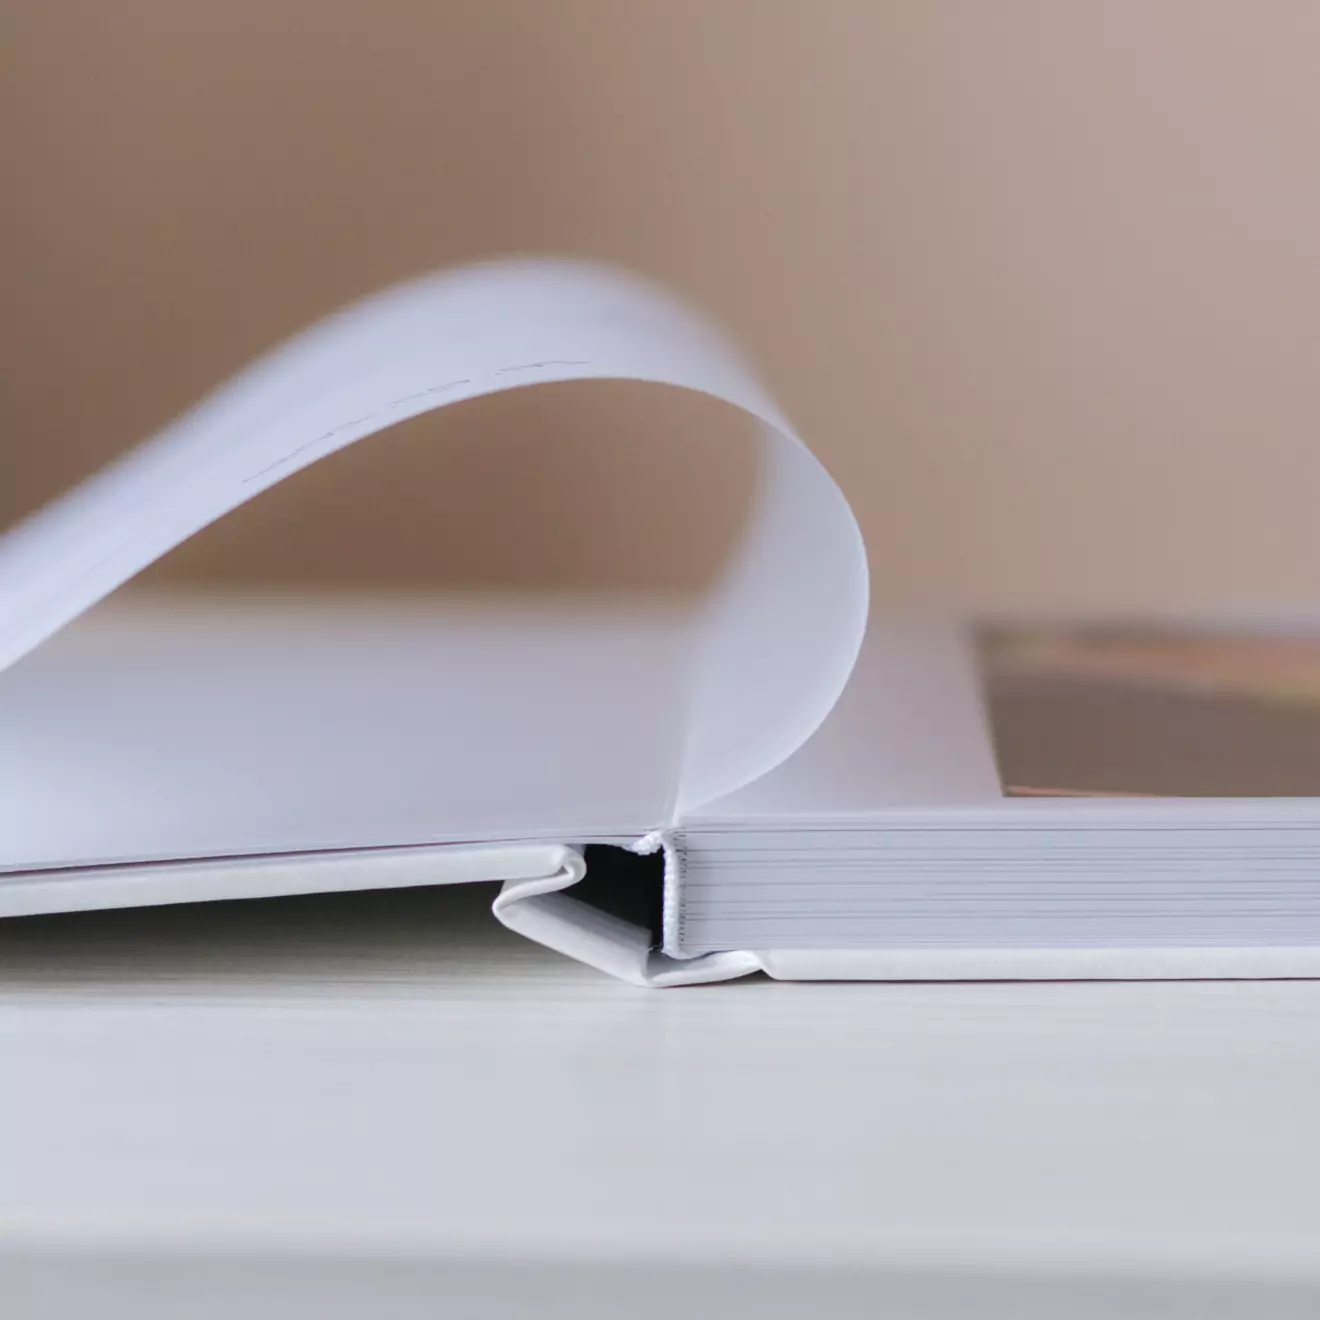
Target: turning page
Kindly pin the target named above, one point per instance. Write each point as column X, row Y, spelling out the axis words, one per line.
column 727, row 697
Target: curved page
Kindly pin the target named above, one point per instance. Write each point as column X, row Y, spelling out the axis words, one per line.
column 775, row 641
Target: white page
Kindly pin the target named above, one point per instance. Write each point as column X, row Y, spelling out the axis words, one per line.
column 909, row 731
column 775, row 642
column 159, row 730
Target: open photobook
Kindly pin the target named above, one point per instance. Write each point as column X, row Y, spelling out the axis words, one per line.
column 821, row 793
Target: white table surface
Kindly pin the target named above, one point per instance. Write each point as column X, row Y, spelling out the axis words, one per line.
column 385, row 1105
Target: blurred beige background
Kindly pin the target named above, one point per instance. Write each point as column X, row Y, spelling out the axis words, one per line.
column 1040, row 281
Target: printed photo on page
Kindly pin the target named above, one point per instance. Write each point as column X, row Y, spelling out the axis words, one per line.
column 1154, row 710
